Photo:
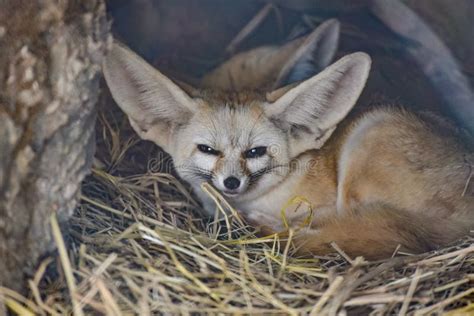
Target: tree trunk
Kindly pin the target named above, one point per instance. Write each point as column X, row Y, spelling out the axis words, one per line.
column 50, row 60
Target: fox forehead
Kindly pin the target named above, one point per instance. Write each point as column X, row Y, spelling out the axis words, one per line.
column 233, row 122
column 217, row 98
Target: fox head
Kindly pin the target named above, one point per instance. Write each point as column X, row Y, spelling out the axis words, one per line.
column 242, row 142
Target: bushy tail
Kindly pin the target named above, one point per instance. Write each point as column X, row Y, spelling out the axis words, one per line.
column 376, row 231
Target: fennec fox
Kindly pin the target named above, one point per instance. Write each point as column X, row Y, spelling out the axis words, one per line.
column 382, row 179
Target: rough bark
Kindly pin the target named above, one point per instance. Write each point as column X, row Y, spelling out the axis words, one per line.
column 49, row 83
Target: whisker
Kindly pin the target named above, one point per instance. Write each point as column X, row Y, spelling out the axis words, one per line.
column 253, row 178
column 195, row 172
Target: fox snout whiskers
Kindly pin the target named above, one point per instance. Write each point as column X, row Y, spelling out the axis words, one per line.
column 231, row 183
column 195, row 173
column 255, row 176
column 233, row 186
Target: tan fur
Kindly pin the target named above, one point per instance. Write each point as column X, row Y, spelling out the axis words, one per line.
column 377, row 231
column 384, row 178
column 402, row 184
column 256, row 68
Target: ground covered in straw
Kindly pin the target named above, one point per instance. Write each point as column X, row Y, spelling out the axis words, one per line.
column 138, row 245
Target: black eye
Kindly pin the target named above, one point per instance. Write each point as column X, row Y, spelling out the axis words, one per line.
column 207, row 150
column 256, row 152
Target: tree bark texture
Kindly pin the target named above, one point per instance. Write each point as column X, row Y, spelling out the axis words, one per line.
column 50, row 56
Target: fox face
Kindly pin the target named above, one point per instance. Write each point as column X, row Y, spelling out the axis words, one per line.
column 235, row 146
column 243, row 143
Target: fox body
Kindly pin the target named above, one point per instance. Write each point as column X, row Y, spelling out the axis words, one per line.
column 382, row 179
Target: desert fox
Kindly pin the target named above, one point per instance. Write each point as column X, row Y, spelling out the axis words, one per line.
column 373, row 182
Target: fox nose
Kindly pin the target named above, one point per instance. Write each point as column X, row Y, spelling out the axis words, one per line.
column 231, row 183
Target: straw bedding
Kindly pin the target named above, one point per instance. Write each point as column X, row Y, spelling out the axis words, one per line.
column 138, row 245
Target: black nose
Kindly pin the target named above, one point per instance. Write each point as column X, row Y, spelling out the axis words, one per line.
column 231, row 183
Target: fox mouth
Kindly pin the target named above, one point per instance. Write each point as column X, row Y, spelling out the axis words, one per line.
column 231, row 193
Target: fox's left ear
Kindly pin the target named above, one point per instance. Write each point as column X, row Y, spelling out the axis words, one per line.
column 311, row 110
column 312, row 56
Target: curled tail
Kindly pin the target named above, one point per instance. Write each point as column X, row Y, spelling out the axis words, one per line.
column 376, row 231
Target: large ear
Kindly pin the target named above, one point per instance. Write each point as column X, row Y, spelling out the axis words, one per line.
column 312, row 56
column 152, row 102
column 269, row 67
column 311, row 110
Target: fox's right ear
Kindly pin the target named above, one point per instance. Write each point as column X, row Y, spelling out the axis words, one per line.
column 152, row 102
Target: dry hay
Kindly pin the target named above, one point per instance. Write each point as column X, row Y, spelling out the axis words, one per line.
column 139, row 246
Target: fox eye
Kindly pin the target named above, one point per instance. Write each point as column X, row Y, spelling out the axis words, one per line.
column 256, row 152
column 208, row 150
